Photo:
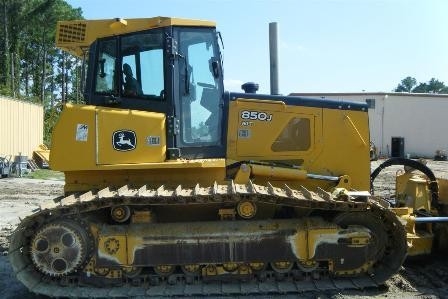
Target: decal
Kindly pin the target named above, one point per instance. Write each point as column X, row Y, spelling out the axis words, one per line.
column 247, row 123
column 243, row 133
column 82, row 131
column 256, row 115
column 124, row 140
column 153, row 140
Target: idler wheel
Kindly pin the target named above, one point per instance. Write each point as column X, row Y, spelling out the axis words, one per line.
column 378, row 241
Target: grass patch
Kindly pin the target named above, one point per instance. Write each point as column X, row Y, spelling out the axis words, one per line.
column 45, row 174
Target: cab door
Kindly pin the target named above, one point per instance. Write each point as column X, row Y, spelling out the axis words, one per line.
column 198, row 122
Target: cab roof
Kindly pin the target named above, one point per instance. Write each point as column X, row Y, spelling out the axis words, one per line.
column 76, row 36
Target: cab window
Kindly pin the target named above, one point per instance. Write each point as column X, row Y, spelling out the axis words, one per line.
column 142, row 66
column 105, row 68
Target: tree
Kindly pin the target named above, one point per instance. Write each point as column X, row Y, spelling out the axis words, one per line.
column 27, row 50
column 11, row 10
column 409, row 84
column 435, row 86
column 406, row 85
column 421, row 88
column 30, row 64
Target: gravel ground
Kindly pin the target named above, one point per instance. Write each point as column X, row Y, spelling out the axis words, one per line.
column 422, row 278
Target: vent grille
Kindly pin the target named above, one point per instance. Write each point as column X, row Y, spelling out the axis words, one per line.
column 72, row 33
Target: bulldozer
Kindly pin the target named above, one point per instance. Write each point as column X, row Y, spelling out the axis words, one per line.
column 421, row 201
column 176, row 187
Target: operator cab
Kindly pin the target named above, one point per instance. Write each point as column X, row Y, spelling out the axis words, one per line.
column 173, row 70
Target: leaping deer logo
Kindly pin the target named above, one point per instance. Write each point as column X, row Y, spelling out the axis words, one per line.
column 124, row 140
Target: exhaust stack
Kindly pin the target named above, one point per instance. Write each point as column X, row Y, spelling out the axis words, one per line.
column 273, row 54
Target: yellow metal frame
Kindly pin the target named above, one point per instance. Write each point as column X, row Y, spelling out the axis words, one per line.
column 83, row 138
column 83, row 150
column 338, row 144
column 76, row 36
column 412, row 191
column 443, row 191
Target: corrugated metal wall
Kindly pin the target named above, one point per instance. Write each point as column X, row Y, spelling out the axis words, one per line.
column 21, row 127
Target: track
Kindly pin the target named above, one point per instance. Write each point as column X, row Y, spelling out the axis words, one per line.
column 149, row 284
column 428, row 274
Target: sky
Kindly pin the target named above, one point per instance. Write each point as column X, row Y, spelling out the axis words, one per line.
column 323, row 45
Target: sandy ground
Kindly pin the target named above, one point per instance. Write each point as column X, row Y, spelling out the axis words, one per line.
column 423, row 278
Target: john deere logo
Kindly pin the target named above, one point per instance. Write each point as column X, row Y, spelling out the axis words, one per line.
column 124, row 140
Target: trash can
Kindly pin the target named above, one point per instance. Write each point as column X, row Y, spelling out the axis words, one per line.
column 397, row 148
column 21, row 164
column 5, row 166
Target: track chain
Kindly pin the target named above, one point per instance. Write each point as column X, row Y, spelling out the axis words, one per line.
column 217, row 193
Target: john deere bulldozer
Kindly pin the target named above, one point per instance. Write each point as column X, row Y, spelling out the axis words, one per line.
column 175, row 187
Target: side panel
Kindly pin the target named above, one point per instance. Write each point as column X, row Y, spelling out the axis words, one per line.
column 87, row 137
column 257, row 131
column 74, row 139
column 346, row 146
column 321, row 140
column 129, row 136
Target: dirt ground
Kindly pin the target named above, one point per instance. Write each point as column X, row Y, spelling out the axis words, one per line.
column 423, row 278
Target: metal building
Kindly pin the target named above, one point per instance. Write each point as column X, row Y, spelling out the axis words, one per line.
column 21, row 127
column 402, row 124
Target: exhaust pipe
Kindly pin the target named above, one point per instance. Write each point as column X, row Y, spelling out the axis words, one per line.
column 273, row 54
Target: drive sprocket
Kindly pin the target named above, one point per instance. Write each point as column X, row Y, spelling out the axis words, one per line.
column 59, row 247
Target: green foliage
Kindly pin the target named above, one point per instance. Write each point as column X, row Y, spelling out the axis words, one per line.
column 31, row 68
column 436, row 86
column 45, row 174
column 409, row 84
column 406, row 85
column 50, row 118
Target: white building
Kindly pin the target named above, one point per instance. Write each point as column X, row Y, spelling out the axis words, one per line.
column 402, row 124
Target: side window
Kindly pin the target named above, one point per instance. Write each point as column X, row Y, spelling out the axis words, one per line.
column 152, row 72
column 142, row 65
column 131, row 86
column 296, row 136
column 199, row 88
column 105, row 68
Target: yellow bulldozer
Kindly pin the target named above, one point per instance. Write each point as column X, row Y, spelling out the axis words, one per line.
column 175, row 187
